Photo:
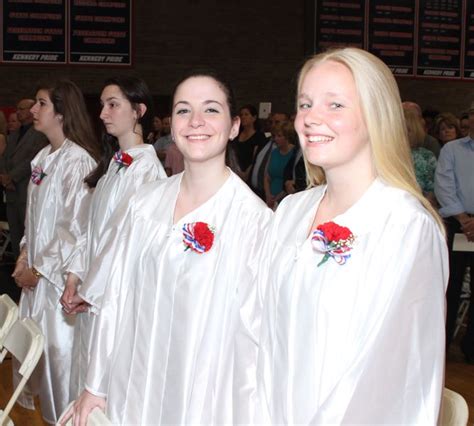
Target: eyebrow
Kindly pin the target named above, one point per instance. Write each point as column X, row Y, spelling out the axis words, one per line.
column 210, row 101
column 111, row 98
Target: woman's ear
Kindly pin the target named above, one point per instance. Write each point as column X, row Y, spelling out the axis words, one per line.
column 141, row 110
column 234, row 131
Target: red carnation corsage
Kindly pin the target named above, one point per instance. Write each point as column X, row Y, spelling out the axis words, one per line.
column 122, row 159
column 334, row 241
column 37, row 175
column 198, row 236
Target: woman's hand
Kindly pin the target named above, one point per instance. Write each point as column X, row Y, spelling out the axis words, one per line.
column 72, row 303
column 25, row 278
column 81, row 409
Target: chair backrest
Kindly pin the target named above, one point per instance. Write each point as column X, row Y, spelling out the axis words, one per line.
column 8, row 316
column 454, row 409
column 25, row 342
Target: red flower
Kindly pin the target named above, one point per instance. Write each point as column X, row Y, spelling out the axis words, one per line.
column 198, row 236
column 333, row 232
column 122, row 159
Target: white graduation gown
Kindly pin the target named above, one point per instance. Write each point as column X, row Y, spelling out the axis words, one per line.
column 361, row 342
column 176, row 338
column 116, row 185
column 56, row 224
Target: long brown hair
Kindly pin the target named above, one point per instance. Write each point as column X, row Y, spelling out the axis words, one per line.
column 67, row 100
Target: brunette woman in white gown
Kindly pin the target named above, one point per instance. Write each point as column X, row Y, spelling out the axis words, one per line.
column 175, row 341
column 353, row 323
column 56, row 223
column 127, row 164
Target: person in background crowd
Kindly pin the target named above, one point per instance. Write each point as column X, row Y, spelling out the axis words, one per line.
column 464, row 124
column 454, row 190
column 424, row 160
column 259, row 166
column 127, row 163
column 174, row 162
column 13, row 123
column 176, row 337
column 355, row 268
column 294, row 174
column 429, row 117
column 430, row 142
column 162, row 144
column 22, row 146
column 56, row 226
column 446, row 128
column 250, row 140
column 157, row 127
column 284, row 136
column 3, row 133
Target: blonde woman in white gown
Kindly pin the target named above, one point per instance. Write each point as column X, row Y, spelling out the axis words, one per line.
column 56, row 224
column 127, row 164
column 353, row 323
column 176, row 338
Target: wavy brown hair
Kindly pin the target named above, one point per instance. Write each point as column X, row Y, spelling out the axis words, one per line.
column 67, row 100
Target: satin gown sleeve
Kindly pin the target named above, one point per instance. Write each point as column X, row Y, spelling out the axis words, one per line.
column 71, row 224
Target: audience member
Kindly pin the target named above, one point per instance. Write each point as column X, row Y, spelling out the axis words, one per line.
column 283, row 134
column 430, row 142
column 22, row 146
column 464, row 124
column 162, row 144
column 424, row 161
column 248, row 141
column 446, row 128
column 429, row 115
column 454, row 190
column 157, row 127
column 174, row 162
column 13, row 123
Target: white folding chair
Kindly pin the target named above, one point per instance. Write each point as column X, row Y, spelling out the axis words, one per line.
column 8, row 316
column 25, row 342
column 96, row 417
column 454, row 409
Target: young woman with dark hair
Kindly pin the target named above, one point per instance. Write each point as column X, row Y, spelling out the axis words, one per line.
column 125, row 103
column 175, row 339
column 56, row 224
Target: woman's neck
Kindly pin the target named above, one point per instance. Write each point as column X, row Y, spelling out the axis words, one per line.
column 130, row 140
column 343, row 191
column 199, row 183
column 56, row 138
column 284, row 149
column 246, row 133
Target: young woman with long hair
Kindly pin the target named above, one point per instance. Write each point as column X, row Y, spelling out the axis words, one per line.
column 353, row 323
column 126, row 165
column 56, row 223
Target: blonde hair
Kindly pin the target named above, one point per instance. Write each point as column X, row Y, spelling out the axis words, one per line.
column 415, row 131
column 382, row 111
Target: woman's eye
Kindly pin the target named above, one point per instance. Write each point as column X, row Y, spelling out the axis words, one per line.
column 304, row 105
column 212, row 110
column 336, row 105
column 181, row 111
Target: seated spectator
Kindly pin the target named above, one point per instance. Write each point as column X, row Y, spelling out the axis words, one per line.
column 424, row 160
column 247, row 143
column 295, row 172
column 464, row 124
column 284, row 137
column 430, row 142
column 447, row 128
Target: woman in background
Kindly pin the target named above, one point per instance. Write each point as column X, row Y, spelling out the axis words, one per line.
column 353, row 323
column 56, row 225
column 424, row 161
column 446, row 128
column 126, row 165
